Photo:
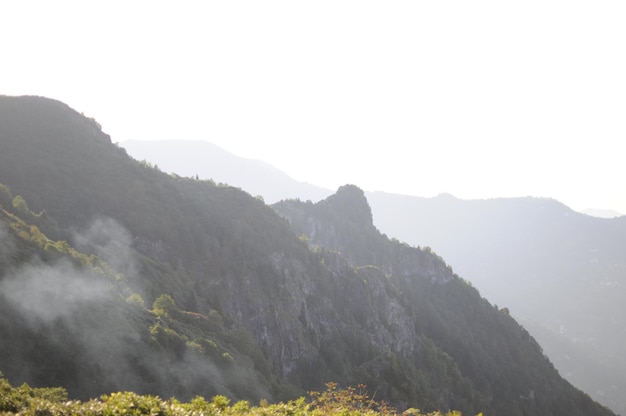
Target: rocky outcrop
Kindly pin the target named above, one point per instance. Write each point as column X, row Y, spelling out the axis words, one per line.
column 291, row 304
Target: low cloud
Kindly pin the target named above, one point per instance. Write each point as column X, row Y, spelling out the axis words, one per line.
column 110, row 241
column 73, row 312
column 46, row 293
column 75, row 327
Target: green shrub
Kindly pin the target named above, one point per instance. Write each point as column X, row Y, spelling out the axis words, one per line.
column 350, row 401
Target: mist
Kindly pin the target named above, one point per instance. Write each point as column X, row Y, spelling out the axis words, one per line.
column 74, row 315
column 84, row 336
column 45, row 293
column 111, row 242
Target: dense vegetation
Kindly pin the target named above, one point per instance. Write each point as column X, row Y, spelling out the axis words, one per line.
column 68, row 318
column 115, row 276
column 571, row 265
column 25, row 400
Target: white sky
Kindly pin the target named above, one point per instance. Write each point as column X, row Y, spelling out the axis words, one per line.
column 476, row 98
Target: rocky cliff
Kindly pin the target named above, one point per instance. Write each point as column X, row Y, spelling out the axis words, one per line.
column 212, row 291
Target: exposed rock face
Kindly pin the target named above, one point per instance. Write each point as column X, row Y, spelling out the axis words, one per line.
column 251, row 302
column 343, row 223
column 308, row 311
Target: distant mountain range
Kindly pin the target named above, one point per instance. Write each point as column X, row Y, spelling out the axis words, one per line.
column 208, row 161
column 562, row 273
column 115, row 275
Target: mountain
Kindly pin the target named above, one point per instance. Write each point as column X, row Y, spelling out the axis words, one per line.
column 117, row 276
column 560, row 272
column 208, row 161
column 511, row 249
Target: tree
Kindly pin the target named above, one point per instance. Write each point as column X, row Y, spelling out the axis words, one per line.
column 20, row 204
column 164, row 305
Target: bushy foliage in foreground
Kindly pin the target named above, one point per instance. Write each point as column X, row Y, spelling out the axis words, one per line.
column 25, row 400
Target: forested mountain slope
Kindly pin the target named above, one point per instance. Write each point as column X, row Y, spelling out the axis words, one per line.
column 511, row 249
column 115, row 275
column 562, row 273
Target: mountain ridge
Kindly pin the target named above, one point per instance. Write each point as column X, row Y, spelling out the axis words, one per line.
column 187, row 157
column 523, row 210
column 571, row 265
column 199, row 158
column 459, row 231
column 240, row 303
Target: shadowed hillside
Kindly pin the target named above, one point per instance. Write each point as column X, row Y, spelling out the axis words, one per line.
column 119, row 276
column 511, row 249
column 560, row 272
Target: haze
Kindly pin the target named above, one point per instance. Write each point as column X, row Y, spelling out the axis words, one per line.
column 478, row 99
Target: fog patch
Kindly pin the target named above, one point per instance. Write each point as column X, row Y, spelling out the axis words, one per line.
column 111, row 242
column 75, row 316
column 73, row 328
column 47, row 293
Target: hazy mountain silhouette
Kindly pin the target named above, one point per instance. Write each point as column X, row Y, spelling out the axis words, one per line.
column 115, row 275
column 208, row 161
column 545, row 262
column 560, row 272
